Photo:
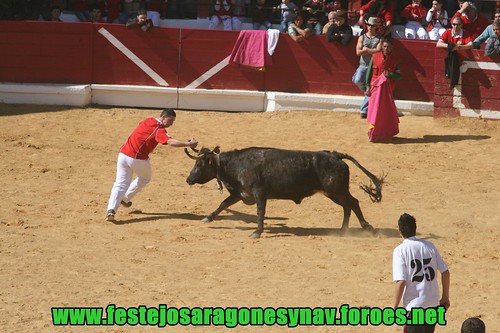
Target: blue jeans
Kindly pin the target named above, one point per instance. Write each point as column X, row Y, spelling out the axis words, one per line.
column 317, row 28
column 359, row 79
column 284, row 26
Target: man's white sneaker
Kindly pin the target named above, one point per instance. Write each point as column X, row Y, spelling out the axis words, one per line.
column 110, row 215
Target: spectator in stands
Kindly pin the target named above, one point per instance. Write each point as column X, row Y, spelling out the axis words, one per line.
column 493, row 43
column 340, row 31
column 141, row 21
column 262, row 15
column 381, row 9
column 474, row 23
column 473, row 325
column 299, row 30
column 55, row 14
column 487, row 33
column 96, row 15
column 368, row 44
column 113, row 10
column 238, row 12
column 437, row 18
column 129, row 10
column 382, row 72
column 452, row 40
column 286, row 8
column 456, row 38
column 329, row 23
column 221, row 13
column 81, row 10
column 415, row 14
column 315, row 13
column 46, row 7
column 156, row 10
column 333, row 5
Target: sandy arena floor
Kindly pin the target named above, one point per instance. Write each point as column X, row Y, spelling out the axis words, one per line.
column 58, row 166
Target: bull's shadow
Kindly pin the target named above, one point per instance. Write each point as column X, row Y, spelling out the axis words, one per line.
column 148, row 217
column 282, row 230
column 438, row 138
column 271, row 229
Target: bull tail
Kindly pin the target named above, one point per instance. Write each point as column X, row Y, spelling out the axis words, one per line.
column 374, row 190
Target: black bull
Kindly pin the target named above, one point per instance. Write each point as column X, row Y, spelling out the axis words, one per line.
column 254, row 175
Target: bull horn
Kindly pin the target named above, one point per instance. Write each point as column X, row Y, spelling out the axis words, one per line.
column 195, row 150
column 190, row 156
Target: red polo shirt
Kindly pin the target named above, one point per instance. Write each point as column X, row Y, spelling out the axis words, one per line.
column 461, row 39
column 144, row 139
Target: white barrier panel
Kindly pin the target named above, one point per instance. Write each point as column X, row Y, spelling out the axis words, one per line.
column 134, row 96
column 50, row 94
column 189, row 99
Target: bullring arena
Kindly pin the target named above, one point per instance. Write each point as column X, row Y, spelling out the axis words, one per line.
column 58, row 166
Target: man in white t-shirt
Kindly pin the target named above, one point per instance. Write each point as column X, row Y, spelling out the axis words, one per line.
column 414, row 266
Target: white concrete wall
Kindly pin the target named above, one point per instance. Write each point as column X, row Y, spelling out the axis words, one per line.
column 189, row 99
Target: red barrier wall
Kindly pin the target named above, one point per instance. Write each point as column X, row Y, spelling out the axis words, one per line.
column 46, row 52
column 72, row 53
column 478, row 90
column 159, row 49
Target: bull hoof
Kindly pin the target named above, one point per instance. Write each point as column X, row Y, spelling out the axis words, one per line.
column 343, row 231
column 206, row 220
column 255, row 234
column 368, row 227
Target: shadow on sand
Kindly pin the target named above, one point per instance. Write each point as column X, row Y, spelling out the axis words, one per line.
column 271, row 229
column 438, row 138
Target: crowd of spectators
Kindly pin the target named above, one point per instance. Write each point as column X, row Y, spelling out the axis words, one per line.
column 112, row 11
column 422, row 19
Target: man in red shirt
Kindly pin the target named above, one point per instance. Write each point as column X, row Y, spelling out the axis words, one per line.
column 134, row 158
column 454, row 39
column 474, row 23
column 456, row 35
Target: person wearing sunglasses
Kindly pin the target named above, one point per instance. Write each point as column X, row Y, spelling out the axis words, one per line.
column 453, row 40
column 456, row 38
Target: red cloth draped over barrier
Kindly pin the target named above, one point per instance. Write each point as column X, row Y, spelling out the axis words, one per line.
column 250, row 50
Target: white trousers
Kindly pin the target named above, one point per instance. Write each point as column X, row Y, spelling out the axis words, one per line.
column 414, row 30
column 435, row 33
column 124, row 188
column 226, row 21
